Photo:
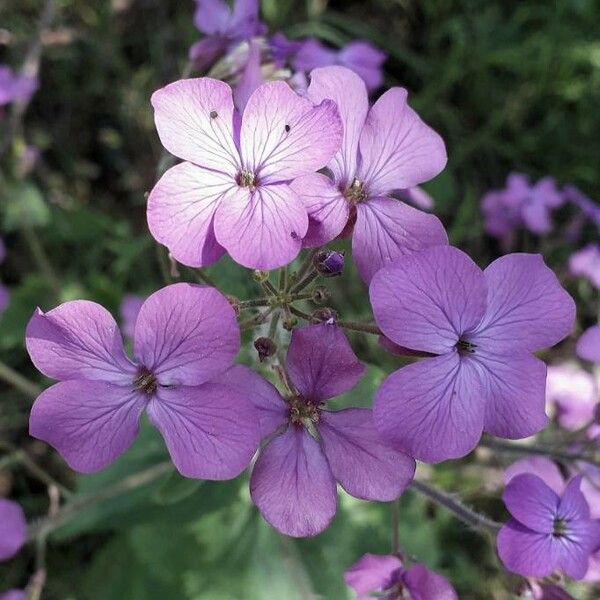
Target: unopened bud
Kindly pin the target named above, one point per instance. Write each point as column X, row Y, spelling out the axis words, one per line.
column 324, row 315
column 290, row 323
column 320, row 295
column 265, row 347
column 329, row 263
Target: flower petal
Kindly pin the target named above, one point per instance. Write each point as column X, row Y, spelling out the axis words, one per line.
column 78, row 340
column 588, row 345
column 321, row 363
column 284, row 135
column 360, row 460
column 212, row 16
column 211, row 430
column 365, row 60
column 250, row 79
column 89, row 423
column 542, row 467
column 327, row 209
column 292, row 485
column 194, row 120
column 424, row 584
column 573, row 505
column 432, row 410
column 349, row 93
column 387, row 230
column 271, row 408
column 372, row 573
column 531, row 502
column 575, row 548
column 262, row 229
column 181, row 209
column 398, row 149
column 186, row 334
column 13, row 529
column 526, row 307
column 427, row 300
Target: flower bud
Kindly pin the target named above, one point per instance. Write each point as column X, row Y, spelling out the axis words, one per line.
column 290, row 323
column 329, row 263
column 324, row 315
column 265, row 347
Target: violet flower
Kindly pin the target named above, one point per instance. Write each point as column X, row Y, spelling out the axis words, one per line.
column 129, row 311
column 308, row 447
column 386, row 577
column 589, row 209
column 483, row 327
column 15, row 87
column 588, row 345
column 384, row 149
column 547, row 532
column 13, row 529
column 585, row 263
column 186, row 337
column 14, row 595
column 4, row 294
column 232, row 192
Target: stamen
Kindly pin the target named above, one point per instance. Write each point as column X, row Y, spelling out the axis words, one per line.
column 247, row 179
column 560, row 528
column 145, row 381
column 355, row 193
column 465, row 347
column 302, row 412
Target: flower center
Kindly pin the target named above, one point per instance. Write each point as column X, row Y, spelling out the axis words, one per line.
column 145, row 381
column 560, row 528
column 465, row 347
column 355, row 193
column 302, row 412
column 247, row 179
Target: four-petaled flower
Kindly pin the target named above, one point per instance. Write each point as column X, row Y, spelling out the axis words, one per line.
column 13, row 529
column 185, row 338
column 483, row 327
column 233, row 190
column 309, row 448
column 384, row 149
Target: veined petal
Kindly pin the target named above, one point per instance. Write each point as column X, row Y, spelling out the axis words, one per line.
column 78, row 340
column 262, row 229
column 575, row 548
column 181, row 210
column 13, row 529
column 364, row 465
column 432, row 410
column 573, row 505
column 284, row 135
column 89, row 423
column 425, row 301
column 398, row 150
column 186, row 334
column 292, row 485
column 387, row 230
column 194, row 120
column 211, row 430
column 370, row 574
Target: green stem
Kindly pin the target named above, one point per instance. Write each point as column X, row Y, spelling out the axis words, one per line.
column 19, row 382
column 395, row 521
column 204, row 278
column 273, row 325
column 269, row 288
column 305, row 282
column 305, row 266
column 256, row 302
column 300, row 313
column 356, row 326
column 40, row 258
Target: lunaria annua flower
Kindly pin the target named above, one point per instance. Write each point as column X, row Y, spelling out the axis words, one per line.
column 293, row 482
column 232, row 192
column 386, row 577
column 547, row 532
column 384, row 149
column 13, row 529
column 15, row 87
column 585, row 263
column 185, row 336
column 224, row 28
column 483, row 327
column 588, row 345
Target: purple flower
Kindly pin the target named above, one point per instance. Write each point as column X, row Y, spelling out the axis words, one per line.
column 14, row 595
column 586, row 264
column 129, row 310
column 14, row 87
column 386, row 577
column 186, row 337
column 4, row 294
column 418, row 197
column 384, row 149
column 293, row 483
column 483, row 327
column 224, row 28
column 547, row 532
column 232, row 192
column 330, row 263
column 588, row 207
column 13, row 529
column 548, row 591
column 283, row 50
column 588, row 345
column 250, row 79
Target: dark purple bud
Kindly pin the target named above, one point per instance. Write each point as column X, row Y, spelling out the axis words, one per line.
column 329, row 263
column 265, row 347
column 324, row 315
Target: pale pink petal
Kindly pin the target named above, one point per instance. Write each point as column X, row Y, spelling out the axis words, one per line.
column 181, row 210
column 292, row 485
column 531, row 502
column 186, row 334
column 262, row 229
column 397, row 148
column 194, row 119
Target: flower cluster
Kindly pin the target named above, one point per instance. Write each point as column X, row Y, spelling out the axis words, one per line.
column 13, row 534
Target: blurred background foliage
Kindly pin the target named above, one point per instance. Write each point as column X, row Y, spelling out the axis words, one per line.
column 511, row 85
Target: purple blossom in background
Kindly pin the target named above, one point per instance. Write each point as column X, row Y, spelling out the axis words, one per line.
column 15, row 87
column 224, row 28
column 13, row 529
column 547, row 591
column 589, row 209
column 387, row 578
column 293, row 482
column 283, row 50
column 232, row 193
column 588, row 345
column 547, row 532
column 129, row 311
column 483, row 327
column 418, row 197
column 186, row 337
column 14, row 595
column 384, row 149
column 586, row 264
column 4, row 294
column 250, row 79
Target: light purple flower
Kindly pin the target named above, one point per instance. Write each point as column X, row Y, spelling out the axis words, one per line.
column 418, row 197
column 384, row 149
column 224, row 28
column 293, row 483
column 14, row 595
column 13, row 529
column 589, row 209
column 250, row 78
column 386, row 577
column 15, row 87
column 282, row 49
column 4, row 294
column 483, row 327
column 232, row 192
column 586, row 263
column 547, row 532
column 588, row 345
column 186, row 337
column 129, row 311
